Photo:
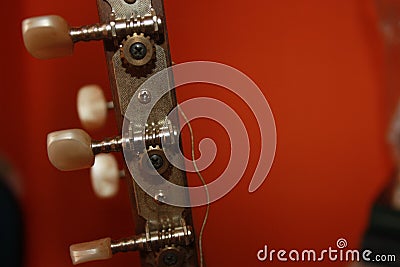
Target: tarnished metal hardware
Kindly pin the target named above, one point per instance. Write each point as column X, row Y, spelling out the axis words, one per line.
column 155, row 240
column 170, row 256
column 154, row 161
column 157, row 134
column 154, row 135
column 118, row 29
column 107, row 145
column 144, row 96
column 137, row 50
column 157, row 160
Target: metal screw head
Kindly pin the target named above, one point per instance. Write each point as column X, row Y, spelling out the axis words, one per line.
column 157, row 161
column 144, row 96
column 138, row 51
column 160, row 197
column 170, row 258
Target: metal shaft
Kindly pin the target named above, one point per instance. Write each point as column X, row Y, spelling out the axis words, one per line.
column 150, row 25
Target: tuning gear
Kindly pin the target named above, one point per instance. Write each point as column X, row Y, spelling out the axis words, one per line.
column 105, row 176
column 170, row 256
column 137, row 50
column 92, row 107
column 154, row 161
column 73, row 149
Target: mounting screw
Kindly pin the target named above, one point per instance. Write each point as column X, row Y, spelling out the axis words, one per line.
column 144, row 96
column 130, row 1
column 138, row 50
column 160, row 197
column 157, row 161
column 170, row 258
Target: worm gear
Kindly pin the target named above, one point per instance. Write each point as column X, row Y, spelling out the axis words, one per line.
column 137, row 50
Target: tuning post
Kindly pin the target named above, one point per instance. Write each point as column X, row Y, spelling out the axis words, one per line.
column 107, row 145
column 74, row 149
column 51, row 36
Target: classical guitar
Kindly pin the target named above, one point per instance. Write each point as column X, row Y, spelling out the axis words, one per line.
column 136, row 47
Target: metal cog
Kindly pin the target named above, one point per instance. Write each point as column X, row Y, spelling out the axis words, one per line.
column 158, row 153
column 170, row 256
column 137, row 50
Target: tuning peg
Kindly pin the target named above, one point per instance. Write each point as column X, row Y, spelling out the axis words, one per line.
column 51, row 36
column 73, row 149
column 105, row 175
column 103, row 249
column 92, row 107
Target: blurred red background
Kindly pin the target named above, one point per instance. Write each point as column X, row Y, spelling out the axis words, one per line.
column 319, row 64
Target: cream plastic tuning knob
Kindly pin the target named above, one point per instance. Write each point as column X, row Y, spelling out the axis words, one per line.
column 91, row 251
column 105, row 176
column 47, row 37
column 92, row 107
column 70, row 150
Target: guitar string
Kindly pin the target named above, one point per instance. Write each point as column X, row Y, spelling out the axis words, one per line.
column 203, row 226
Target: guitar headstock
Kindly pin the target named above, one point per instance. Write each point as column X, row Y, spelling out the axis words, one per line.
column 136, row 47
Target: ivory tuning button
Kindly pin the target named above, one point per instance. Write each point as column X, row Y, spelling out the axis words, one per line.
column 47, row 37
column 73, row 149
column 91, row 251
column 105, row 176
column 92, row 107
column 70, row 150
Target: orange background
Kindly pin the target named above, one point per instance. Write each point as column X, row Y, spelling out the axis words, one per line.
column 319, row 64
